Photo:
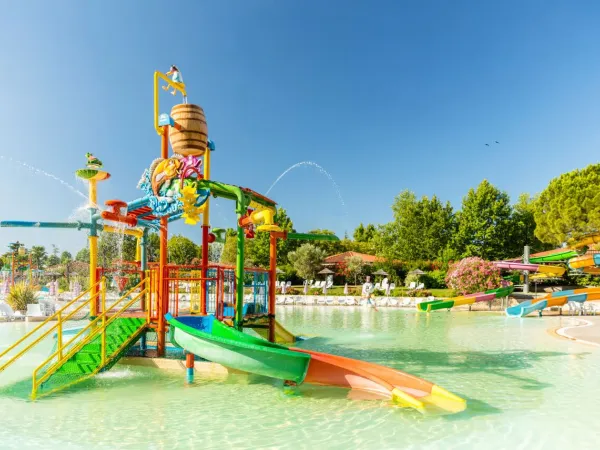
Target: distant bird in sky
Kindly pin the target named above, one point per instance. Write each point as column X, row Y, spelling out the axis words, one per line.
column 496, row 142
column 487, row 145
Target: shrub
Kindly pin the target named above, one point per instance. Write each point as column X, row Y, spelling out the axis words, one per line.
column 435, row 279
column 418, row 293
column 412, row 278
column 20, row 296
column 472, row 275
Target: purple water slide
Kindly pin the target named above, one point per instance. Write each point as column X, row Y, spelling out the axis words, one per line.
column 516, row 266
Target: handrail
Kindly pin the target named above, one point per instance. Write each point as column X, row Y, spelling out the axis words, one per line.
column 56, row 315
column 177, row 86
column 93, row 335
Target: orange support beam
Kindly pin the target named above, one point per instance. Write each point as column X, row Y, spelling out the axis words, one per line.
column 163, row 288
column 274, row 235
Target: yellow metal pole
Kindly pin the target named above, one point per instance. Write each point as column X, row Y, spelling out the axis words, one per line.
column 205, row 225
column 93, row 243
column 103, row 291
column 59, row 336
column 138, row 249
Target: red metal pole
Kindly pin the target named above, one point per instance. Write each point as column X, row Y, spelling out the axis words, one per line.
column 204, row 268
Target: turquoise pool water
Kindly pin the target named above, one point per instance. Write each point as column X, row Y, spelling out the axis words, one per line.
column 525, row 388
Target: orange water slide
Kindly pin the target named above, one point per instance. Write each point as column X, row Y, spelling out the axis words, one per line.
column 402, row 388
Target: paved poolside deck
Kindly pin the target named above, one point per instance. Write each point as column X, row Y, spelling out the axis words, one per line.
column 585, row 330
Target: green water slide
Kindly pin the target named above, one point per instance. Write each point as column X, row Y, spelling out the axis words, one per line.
column 214, row 341
column 557, row 256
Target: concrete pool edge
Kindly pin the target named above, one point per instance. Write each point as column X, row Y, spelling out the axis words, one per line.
column 581, row 323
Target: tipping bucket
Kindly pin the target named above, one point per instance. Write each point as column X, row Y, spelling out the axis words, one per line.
column 193, row 137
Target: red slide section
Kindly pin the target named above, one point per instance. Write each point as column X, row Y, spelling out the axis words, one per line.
column 403, row 388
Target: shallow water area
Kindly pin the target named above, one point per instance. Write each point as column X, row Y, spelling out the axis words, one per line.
column 525, row 387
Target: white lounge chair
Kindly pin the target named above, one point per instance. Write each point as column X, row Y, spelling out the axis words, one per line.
column 330, row 300
column 34, row 310
column 406, row 301
column 321, row 301
column 393, row 302
column 412, row 285
column 280, row 300
column 377, row 287
column 383, row 301
column 420, row 286
column 6, row 311
column 350, row 301
column 289, row 301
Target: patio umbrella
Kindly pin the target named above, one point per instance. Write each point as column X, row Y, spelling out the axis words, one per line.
column 326, row 271
column 381, row 272
column 387, row 289
column 346, row 289
column 305, row 287
column 278, row 271
column 417, row 272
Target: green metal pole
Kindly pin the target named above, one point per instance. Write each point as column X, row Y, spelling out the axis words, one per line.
column 239, row 276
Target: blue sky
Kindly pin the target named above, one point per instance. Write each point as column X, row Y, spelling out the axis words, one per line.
column 385, row 95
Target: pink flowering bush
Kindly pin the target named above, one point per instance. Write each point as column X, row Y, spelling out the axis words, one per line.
column 472, row 275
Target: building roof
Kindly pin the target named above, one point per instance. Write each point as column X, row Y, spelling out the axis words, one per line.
column 341, row 257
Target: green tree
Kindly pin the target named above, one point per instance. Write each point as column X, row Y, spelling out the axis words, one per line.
column 129, row 248
column 329, row 247
column 353, row 267
column 83, row 255
column 484, row 223
column 66, row 257
column 568, row 208
column 421, row 229
column 524, row 225
column 307, row 260
column 38, row 255
column 182, row 250
column 53, row 259
column 153, row 247
column 229, row 254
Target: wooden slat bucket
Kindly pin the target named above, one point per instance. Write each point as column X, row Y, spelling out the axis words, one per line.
column 193, row 137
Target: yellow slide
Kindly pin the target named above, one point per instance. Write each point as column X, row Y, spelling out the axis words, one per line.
column 282, row 335
column 552, row 270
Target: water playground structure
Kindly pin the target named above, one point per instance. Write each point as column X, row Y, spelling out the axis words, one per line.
column 153, row 318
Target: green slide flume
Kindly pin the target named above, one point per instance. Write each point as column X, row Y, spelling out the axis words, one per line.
column 214, row 341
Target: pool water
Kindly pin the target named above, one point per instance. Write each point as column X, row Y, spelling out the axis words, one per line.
column 525, row 389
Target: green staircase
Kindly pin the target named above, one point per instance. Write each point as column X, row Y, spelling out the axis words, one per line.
column 85, row 362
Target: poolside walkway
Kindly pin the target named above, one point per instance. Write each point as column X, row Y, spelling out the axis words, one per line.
column 586, row 330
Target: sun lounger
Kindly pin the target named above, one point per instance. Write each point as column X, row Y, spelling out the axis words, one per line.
column 412, row 285
column 289, row 301
column 393, row 302
column 350, row 301
column 406, row 302
column 34, row 310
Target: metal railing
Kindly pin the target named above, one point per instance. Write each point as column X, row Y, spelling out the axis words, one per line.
column 61, row 316
column 97, row 327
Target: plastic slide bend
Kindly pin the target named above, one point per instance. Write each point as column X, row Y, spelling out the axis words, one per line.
column 404, row 389
column 214, row 341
